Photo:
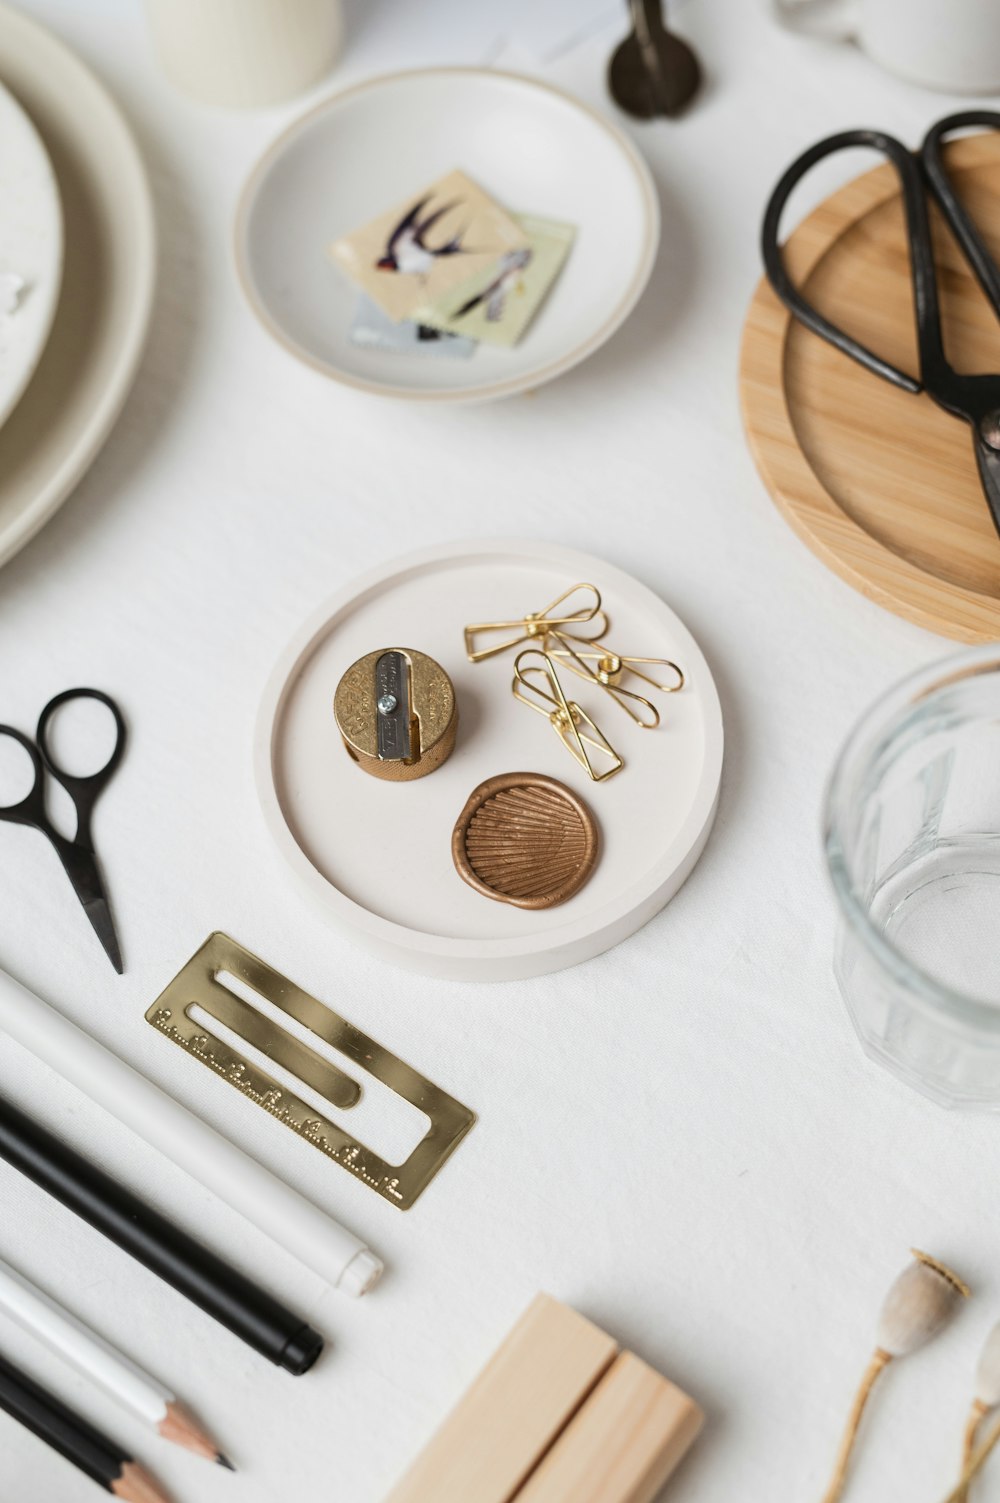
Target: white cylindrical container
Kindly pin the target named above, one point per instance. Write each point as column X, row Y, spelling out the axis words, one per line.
column 340, row 1258
column 951, row 45
column 246, row 52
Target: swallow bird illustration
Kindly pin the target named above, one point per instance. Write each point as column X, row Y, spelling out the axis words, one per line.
column 495, row 295
column 407, row 251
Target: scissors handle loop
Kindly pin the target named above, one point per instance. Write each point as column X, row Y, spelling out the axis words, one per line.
column 83, row 789
column 925, row 299
column 958, row 217
column 29, row 810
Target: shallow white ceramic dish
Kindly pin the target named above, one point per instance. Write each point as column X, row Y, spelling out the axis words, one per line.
column 31, row 250
column 97, row 335
column 377, row 855
column 532, row 147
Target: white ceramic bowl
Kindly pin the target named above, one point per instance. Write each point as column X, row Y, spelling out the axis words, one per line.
column 31, row 249
column 532, row 147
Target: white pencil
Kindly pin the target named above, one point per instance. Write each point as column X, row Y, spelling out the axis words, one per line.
column 148, row 1399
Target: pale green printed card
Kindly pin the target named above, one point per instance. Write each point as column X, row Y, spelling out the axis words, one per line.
column 498, row 307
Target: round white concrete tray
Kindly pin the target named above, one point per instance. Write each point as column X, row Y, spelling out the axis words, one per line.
column 377, row 855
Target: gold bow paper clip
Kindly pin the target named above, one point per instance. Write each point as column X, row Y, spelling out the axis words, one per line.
column 539, row 624
column 572, row 725
column 606, row 669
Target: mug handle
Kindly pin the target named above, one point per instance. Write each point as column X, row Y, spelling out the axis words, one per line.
column 831, row 20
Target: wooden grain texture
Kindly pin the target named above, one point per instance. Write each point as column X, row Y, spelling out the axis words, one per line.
column 622, row 1445
column 882, row 486
column 508, row 1418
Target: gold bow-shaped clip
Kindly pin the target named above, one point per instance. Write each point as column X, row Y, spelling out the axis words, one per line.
column 537, row 686
column 540, row 624
column 601, row 666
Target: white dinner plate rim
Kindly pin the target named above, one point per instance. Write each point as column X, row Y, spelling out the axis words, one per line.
column 51, row 292
column 48, row 497
column 511, row 385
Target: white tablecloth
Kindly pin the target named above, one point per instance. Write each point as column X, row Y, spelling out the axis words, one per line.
column 681, row 1138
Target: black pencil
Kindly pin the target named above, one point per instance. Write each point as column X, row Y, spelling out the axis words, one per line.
column 239, row 1304
column 75, row 1438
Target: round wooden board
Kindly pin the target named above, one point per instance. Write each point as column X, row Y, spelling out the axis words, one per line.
column 883, row 486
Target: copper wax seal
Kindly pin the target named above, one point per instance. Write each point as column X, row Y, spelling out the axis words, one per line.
column 525, row 839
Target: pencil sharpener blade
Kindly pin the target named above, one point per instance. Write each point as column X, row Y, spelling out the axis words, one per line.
column 396, row 711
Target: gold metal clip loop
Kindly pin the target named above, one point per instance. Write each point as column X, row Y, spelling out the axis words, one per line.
column 537, row 625
column 605, row 668
column 574, row 727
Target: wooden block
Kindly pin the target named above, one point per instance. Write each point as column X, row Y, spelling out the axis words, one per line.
column 503, row 1424
column 622, row 1444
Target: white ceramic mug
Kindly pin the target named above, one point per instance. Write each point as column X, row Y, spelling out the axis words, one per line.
column 245, row 52
column 952, row 45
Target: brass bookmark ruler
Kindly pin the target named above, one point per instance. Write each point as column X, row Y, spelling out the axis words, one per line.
column 198, row 985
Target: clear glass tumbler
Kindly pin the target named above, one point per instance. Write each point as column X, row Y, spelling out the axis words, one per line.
column 912, row 834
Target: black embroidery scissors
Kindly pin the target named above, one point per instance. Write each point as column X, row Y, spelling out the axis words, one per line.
column 77, row 855
column 973, row 398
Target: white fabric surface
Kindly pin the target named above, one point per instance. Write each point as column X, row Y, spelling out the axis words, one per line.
column 680, row 1138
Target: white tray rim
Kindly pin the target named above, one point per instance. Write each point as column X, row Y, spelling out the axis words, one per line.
column 517, row 957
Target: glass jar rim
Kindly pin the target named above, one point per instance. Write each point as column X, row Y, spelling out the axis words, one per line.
column 928, row 993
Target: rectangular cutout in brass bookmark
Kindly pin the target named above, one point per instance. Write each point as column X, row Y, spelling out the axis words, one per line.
column 198, row 986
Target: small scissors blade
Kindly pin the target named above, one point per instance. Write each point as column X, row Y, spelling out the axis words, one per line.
column 99, row 913
column 82, row 869
column 988, row 460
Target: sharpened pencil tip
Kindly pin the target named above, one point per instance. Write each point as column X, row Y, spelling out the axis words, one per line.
column 178, row 1426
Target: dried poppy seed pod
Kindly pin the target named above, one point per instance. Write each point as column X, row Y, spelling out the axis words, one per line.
column 919, row 1305
column 988, row 1371
column 986, row 1397
column 920, row 1302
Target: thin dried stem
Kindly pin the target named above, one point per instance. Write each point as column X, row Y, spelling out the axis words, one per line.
column 969, row 1440
column 977, row 1460
column 880, row 1359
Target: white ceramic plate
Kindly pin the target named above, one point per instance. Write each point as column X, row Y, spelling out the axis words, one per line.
column 377, row 855
column 96, row 339
column 31, row 250
column 533, row 148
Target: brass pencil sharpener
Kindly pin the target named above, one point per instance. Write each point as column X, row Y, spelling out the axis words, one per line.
column 396, row 711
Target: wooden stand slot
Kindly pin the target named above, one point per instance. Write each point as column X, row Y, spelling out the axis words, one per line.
column 623, row 1443
column 556, row 1416
column 503, row 1424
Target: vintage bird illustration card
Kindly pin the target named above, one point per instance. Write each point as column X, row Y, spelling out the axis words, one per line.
column 439, row 237
column 374, row 330
column 498, row 305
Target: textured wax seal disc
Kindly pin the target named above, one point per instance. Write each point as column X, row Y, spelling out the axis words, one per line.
column 525, row 839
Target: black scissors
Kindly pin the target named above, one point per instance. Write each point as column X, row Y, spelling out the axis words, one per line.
column 974, row 399
column 77, row 855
